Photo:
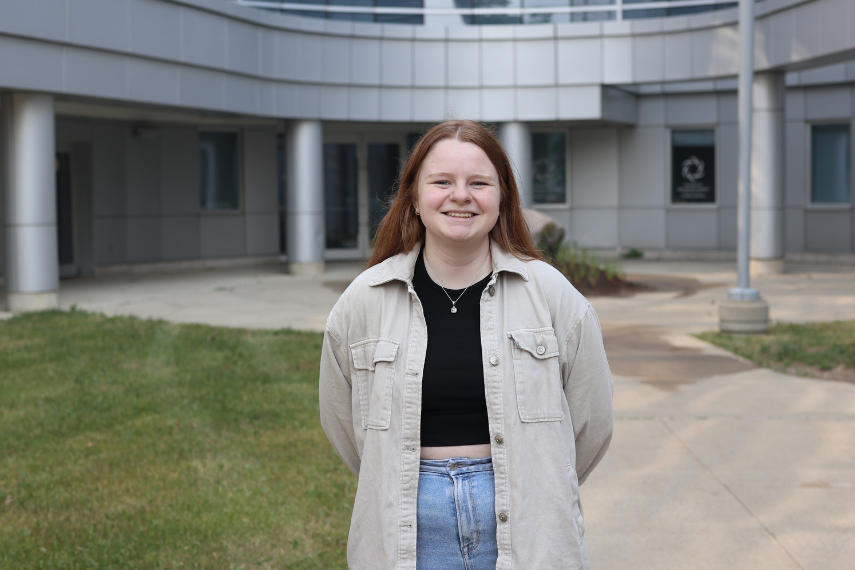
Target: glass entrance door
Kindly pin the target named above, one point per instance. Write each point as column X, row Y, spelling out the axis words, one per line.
column 342, row 195
column 65, row 216
column 383, row 163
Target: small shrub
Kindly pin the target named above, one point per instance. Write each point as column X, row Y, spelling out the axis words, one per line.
column 633, row 254
column 583, row 268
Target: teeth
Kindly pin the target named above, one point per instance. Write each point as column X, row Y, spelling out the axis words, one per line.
column 458, row 215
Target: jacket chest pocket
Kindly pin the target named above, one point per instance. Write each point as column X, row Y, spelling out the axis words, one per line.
column 537, row 375
column 374, row 361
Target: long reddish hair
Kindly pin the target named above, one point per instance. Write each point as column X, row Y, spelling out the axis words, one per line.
column 400, row 230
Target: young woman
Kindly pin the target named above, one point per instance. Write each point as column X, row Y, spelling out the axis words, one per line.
column 462, row 379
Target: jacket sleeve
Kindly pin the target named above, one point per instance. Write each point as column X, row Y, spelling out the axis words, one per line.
column 588, row 388
column 335, row 393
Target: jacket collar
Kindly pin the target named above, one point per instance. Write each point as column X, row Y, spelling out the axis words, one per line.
column 402, row 266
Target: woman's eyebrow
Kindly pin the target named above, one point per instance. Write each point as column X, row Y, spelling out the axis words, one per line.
column 450, row 175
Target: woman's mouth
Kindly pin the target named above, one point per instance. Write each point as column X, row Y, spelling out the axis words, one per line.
column 459, row 214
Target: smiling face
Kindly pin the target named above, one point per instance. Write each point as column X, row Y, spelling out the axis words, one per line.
column 458, row 195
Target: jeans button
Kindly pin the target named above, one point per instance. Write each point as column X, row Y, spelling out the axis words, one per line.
column 453, row 467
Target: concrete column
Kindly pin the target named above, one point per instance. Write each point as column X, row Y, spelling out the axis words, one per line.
column 306, row 214
column 516, row 138
column 29, row 169
column 767, row 175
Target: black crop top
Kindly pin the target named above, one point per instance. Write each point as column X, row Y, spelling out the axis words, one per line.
column 454, row 407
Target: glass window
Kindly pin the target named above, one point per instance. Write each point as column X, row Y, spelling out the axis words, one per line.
column 383, row 163
column 218, row 171
column 549, row 168
column 340, row 187
column 693, row 167
column 829, row 164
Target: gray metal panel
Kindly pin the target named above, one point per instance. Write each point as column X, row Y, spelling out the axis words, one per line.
column 828, row 102
column 268, row 52
column 536, row 104
column 201, row 88
column 365, row 103
column 397, row 57
column 287, row 54
column 580, row 102
column 594, row 169
column 334, row 103
column 308, row 99
column 464, row 64
column 537, row 59
column 266, row 97
column 262, row 234
column 260, row 171
column 794, row 108
column 428, row 104
column 222, row 235
column 336, row 64
column 496, row 102
column 580, row 61
column 806, row 30
column 152, row 81
column 204, row 38
column 179, row 170
column 727, row 158
column 651, row 110
column 108, row 160
column 365, row 61
column 180, row 238
column 825, row 74
column 727, row 228
column 828, row 231
column 109, row 237
column 429, row 64
column 241, row 94
column 41, row 18
column 642, row 228
column 692, row 110
column 311, row 58
column 497, row 64
column 643, row 167
column 796, row 163
column 836, row 17
column 703, row 53
column 594, row 228
column 692, row 229
column 727, row 109
column 617, row 60
column 95, row 73
column 142, row 177
column 678, row 56
column 99, row 24
column 143, row 241
column 26, row 64
column 649, row 58
column 396, row 104
column 156, row 29
column 463, row 103
column 794, row 230
column 243, row 47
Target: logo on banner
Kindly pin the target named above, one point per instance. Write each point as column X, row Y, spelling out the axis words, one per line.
column 693, row 169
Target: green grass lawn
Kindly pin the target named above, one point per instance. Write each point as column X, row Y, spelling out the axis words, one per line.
column 809, row 349
column 127, row 443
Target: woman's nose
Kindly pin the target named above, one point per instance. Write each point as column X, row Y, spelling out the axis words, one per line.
column 460, row 192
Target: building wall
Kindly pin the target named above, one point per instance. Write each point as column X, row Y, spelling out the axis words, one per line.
column 145, row 195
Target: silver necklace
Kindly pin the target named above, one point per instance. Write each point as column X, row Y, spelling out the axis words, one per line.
column 441, row 286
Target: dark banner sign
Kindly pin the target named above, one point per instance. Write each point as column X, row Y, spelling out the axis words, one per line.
column 692, row 174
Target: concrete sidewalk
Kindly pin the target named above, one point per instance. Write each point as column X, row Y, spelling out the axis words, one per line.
column 715, row 464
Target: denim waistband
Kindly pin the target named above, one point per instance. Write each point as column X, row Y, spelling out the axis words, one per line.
column 456, row 465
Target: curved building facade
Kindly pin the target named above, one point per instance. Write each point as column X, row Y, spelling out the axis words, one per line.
column 143, row 133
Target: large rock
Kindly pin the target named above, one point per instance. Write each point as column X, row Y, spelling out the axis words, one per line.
column 545, row 230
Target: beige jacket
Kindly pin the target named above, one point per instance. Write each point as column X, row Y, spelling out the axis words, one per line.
column 549, row 402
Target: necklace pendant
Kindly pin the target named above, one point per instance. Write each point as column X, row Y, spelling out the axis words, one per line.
column 453, row 309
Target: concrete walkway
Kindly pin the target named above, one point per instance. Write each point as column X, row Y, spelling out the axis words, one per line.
column 715, row 464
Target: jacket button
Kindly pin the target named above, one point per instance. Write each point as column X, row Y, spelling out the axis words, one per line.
column 494, row 360
column 541, row 349
column 500, row 439
column 503, row 517
column 491, row 290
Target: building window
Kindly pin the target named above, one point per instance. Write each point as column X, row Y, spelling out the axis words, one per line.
column 829, row 164
column 218, row 171
column 549, row 168
column 693, row 167
column 340, row 185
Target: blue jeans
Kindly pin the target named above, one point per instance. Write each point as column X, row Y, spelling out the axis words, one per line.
column 456, row 515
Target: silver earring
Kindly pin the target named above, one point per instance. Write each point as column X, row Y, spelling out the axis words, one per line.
column 417, row 211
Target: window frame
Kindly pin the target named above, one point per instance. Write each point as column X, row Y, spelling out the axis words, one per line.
column 827, row 206
column 240, row 174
